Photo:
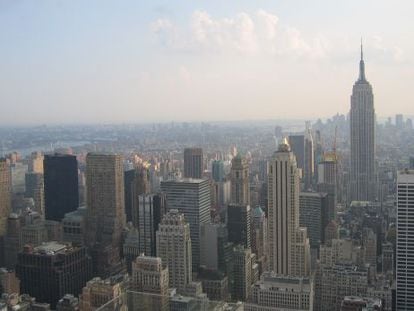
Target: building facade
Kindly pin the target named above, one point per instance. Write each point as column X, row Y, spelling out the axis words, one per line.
column 174, row 249
column 105, row 219
column 362, row 124
column 61, row 185
column 405, row 241
column 190, row 197
column 193, row 163
column 289, row 252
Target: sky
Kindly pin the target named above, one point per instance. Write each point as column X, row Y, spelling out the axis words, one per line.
column 101, row 61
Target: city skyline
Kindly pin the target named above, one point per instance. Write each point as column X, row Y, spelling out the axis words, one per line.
column 106, row 63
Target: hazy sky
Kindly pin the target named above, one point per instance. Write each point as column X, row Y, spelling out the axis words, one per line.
column 135, row 61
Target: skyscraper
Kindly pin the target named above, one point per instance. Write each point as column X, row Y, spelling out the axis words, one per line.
column 242, row 273
column 146, row 218
column 239, row 175
column 217, row 169
column 5, row 196
column 313, row 216
column 192, row 198
column 239, row 224
column 327, row 182
column 174, row 249
column 61, row 185
column 309, row 161
column 193, row 162
column 362, row 122
column 105, row 218
column 405, row 240
column 288, row 243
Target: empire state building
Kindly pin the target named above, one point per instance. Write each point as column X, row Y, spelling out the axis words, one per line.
column 362, row 121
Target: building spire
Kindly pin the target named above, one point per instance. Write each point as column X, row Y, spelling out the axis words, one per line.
column 362, row 65
column 362, row 52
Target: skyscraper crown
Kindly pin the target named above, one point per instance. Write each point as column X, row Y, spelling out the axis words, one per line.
column 362, row 66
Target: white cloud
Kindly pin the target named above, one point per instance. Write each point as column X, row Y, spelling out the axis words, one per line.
column 262, row 33
column 242, row 33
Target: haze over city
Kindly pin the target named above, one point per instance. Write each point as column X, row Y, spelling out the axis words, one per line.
column 157, row 61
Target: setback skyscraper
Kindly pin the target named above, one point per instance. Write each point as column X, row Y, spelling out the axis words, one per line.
column 174, row 248
column 362, row 123
column 289, row 252
column 61, row 185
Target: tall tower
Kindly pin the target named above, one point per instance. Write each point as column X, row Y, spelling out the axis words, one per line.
column 239, row 174
column 174, row 248
column 405, row 240
column 288, row 243
column 105, row 210
column 193, row 162
column 5, row 196
column 362, row 121
column 192, row 198
column 61, row 185
column 146, row 217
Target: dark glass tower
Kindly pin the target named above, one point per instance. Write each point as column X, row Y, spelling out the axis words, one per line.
column 61, row 185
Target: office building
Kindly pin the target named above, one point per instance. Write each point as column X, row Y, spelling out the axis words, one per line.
column 193, row 163
column 297, row 146
column 309, row 161
column 99, row 292
column 217, row 170
column 405, row 241
column 190, row 197
column 105, row 219
column 215, row 247
column 131, row 248
column 151, row 280
column 215, row 284
column 35, row 189
column 5, row 196
column 289, row 252
column 313, row 216
column 274, row 292
column 239, row 177
column 327, row 182
column 140, row 185
column 362, row 124
column 60, row 185
column 259, row 239
column 129, row 177
column 74, row 226
column 174, row 249
column 411, row 165
column 51, row 270
column 36, row 163
column 239, row 224
column 242, row 273
column 333, row 283
column 146, row 217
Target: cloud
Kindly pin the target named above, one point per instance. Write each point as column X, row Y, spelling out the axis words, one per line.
column 257, row 33
column 263, row 33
